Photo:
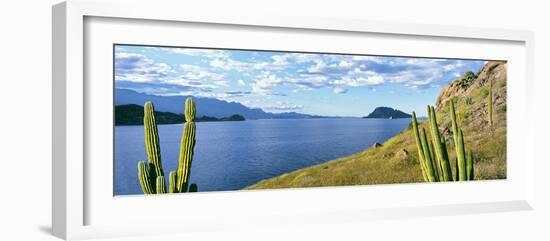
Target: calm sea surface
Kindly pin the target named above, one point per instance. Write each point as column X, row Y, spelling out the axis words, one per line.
column 233, row 155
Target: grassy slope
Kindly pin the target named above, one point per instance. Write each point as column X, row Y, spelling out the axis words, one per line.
column 391, row 164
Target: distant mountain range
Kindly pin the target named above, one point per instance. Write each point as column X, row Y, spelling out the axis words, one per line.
column 205, row 106
column 387, row 113
column 132, row 114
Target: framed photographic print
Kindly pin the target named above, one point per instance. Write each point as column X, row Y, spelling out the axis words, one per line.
column 245, row 120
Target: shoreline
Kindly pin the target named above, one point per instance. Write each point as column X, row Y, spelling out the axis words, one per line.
column 324, row 165
column 327, row 118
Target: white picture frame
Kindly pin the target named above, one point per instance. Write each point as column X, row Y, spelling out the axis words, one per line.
column 76, row 200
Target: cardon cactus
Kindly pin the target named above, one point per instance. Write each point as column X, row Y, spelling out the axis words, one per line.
column 440, row 147
column 490, row 102
column 459, row 144
column 187, row 147
column 433, row 156
column 424, row 153
column 150, row 173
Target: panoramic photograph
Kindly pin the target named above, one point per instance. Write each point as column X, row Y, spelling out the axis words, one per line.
column 201, row 119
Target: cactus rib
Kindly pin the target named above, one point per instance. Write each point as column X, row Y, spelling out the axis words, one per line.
column 145, row 178
column 161, row 185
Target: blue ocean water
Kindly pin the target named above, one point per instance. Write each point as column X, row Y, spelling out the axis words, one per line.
column 233, row 155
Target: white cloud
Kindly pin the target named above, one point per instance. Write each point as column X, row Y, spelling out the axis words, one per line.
column 358, row 78
column 229, row 64
column 265, row 83
column 338, row 90
column 198, row 85
column 301, row 58
column 195, row 72
column 222, row 83
column 312, row 81
column 136, row 67
column 241, row 82
column 280, row 60
column 345, row 64
column 318, row 67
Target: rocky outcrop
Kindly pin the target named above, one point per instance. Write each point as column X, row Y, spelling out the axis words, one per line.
column 495, row 70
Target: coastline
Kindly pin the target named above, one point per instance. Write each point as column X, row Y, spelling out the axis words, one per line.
column 304, row 177
column 396, row 161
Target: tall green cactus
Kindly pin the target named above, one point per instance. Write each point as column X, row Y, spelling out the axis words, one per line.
column 470, row 165
column 459, row 144
column 150, row 174
column 490, row 102
column 433, row 156
column 187, row 146
column 440, row 147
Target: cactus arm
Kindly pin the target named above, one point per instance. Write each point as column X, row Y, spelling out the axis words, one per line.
column 152, row 145
column 172, row 181
column 457, row 177
column 428, row 162
column 145, row 178
column 186, row 156
column 431, row 155
column 424, row 172
column 454, row 124
column 187, row 146
column 419, row 148
column 161, row 185
column 439, row 146
column 459, row 144
column 446, row 157
column 490, row 102
column 434, row 159
column 461, row 157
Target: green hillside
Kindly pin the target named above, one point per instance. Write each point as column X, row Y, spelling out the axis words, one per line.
column 396, row 161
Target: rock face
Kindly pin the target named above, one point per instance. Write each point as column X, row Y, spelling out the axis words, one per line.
column 493, row 70
column 402, row 154
column 376, row 145
column 475, row 97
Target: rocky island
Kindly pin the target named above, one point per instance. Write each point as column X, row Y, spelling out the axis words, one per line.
column 387, row 113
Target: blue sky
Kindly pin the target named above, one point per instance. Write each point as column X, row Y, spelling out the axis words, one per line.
column 320, row 84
